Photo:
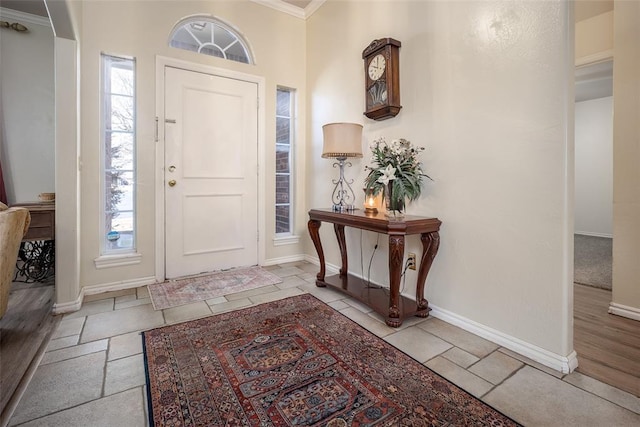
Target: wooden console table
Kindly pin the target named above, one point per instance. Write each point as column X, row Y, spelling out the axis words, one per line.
column 394, row 307
column 36, row 258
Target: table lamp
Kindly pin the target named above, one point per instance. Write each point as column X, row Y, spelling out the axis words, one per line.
column 341, row 141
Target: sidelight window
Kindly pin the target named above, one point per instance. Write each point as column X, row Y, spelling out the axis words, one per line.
column 284, row 160
column 118, row 155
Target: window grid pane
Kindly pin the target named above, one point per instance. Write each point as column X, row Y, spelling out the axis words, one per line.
column 283, row 130
column 283, row 225
column 282, row 189
column 118, row 128
column 284, row 159
column 211, row 37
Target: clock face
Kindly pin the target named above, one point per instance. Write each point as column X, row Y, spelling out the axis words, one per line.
column 377, row 67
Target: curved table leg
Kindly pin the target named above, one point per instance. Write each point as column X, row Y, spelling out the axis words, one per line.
column 430, row 245
column 396, row 254
column 314, row 232
column 342, row 243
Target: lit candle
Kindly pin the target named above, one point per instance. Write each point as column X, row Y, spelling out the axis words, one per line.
column 370, row 203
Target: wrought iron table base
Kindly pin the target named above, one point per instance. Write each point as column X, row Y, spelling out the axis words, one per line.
column 36, row 261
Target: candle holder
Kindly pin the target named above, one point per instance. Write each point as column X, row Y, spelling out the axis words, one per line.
column 370, row 202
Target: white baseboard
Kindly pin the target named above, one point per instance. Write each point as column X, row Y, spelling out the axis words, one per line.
column 555, row 361
column 312, row 259
column 283, row 260
column 331, row 268
column 563, row 364
column 624, row 311
column 68, row 307
column 118, row 286
column 588, row 233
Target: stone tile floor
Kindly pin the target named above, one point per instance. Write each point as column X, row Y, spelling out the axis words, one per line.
column 92, row 373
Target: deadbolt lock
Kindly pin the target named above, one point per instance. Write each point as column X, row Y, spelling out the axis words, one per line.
column 172, row 168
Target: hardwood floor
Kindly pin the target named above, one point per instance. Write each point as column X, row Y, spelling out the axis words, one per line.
column 25, row 327
column 608, row 346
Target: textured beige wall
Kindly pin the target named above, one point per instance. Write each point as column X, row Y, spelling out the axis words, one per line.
column 626, row 142
column 487, row 89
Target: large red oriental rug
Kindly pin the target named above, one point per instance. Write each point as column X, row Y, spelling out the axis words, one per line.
column 295, row 362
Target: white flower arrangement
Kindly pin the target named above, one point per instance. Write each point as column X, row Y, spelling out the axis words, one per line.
column 396, row 171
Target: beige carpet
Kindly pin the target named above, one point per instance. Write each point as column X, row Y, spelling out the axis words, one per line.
column 178, row 292
column 593, row 261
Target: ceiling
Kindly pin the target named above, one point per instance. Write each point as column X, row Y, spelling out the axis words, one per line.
column 300, row 3
column 37, row 7
column 34, row 7
column 595, row 80
column 584, row 9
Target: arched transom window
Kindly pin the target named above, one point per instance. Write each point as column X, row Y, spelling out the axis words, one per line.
column 211, row 36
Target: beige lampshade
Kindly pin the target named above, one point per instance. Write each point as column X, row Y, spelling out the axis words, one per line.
column 342, row 140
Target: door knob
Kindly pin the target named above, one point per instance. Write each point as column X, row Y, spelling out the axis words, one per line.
column 172, row 183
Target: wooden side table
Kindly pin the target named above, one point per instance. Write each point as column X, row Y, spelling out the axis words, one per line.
column 394, row 307
column 36, row 258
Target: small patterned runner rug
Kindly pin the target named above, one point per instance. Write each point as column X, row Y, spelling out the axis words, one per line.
column 173, row 293
column 295, row 362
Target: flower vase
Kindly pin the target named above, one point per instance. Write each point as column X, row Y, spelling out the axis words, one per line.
column 395, row 205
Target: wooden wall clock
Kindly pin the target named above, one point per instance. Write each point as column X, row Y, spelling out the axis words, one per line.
column 382, row 78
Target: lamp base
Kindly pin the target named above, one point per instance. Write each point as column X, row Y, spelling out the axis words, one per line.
column 343, row 208
column 342, row 192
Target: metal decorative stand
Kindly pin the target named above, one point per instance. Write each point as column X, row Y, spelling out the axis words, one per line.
column 342, row 192
column 36, row 261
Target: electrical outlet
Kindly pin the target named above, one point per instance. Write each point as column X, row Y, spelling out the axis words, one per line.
column 411, row 261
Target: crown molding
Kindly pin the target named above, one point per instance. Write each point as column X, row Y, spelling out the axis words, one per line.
column 282, row 7
column 291, row 9
column 312, row 7
column 24, row 17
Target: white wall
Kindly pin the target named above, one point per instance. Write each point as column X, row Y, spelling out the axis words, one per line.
column 67, row 123
column 26, row 79
column 141, row 29
column 594, row 167
column 626, row 146
column 487, row 89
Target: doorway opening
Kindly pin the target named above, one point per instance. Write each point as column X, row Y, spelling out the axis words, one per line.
column 607, row 345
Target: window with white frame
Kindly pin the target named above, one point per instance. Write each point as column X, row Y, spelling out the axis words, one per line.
column 118, row 154
column 284, row 160
column 210, row 36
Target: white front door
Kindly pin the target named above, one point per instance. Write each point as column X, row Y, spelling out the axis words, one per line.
column 211, row 166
